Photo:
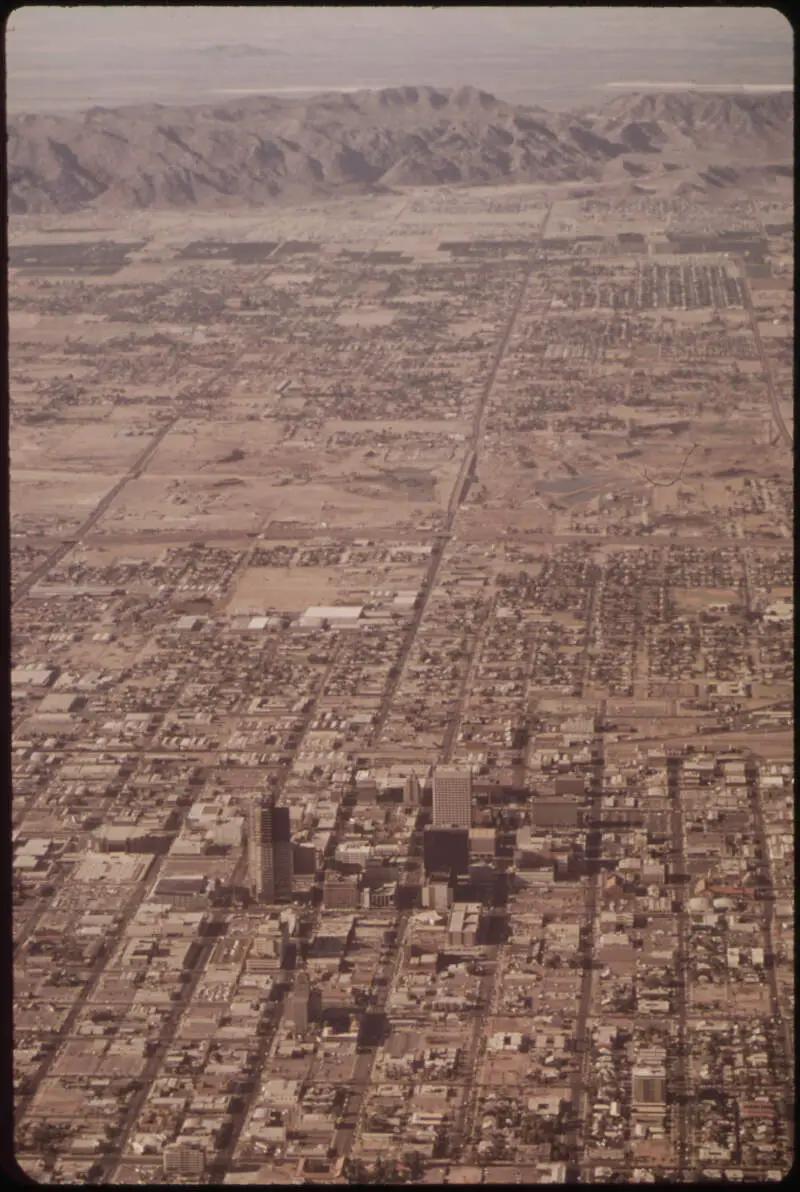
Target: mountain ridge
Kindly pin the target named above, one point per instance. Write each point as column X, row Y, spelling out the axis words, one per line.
column 256, row 149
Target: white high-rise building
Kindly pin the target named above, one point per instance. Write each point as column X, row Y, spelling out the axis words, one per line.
column 452, row 797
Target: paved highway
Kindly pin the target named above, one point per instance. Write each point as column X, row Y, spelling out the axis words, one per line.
column 145, row 1081
column 680, row 1090
column 464, row 1125
column 574, row 1133
column 346, row 1134
column 457, row 494
column 457, row 714
column 99, row 966
column 133, row 473
column 393, row 534
column 773, row 400
column 767, row 910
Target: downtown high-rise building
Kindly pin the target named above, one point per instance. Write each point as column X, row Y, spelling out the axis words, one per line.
column 412, row 791
column 452, row 797
column 296, row 1006
column 269, row 850
column 446, row 850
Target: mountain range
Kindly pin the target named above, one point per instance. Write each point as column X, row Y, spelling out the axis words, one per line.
column 257, row 149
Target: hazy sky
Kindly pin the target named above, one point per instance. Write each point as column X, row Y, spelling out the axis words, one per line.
column 61, row 56
column 60, row 29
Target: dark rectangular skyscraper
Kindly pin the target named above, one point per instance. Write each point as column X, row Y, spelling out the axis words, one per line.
column 269, row 850
column 446, row 850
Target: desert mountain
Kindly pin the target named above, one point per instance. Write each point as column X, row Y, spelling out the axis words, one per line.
column 252, row 150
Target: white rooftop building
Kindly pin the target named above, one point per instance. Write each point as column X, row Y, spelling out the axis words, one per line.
column 344, row 616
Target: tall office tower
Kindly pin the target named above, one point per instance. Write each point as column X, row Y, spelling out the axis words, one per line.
column 446, row 850
column 452, row 797
column 282, row 851
column 411, row 791
column 269, row 850
column 297, row 1003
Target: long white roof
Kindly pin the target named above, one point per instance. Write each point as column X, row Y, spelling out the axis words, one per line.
column 342, row 612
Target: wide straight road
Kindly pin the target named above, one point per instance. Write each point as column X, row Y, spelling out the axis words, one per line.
column 347, row 1131
column 145, row 1081
column 461, row 1132
column 223, row 1160
column 765, row 365
column 457, row 715
column 680, row 1092
column 99, row 966
column 767, row 889
column 458, row 493
column 574, row 1133
column 134, row 471
column 528, row 537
